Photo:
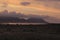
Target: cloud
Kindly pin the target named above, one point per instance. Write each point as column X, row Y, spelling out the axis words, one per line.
column 25, row 3
column 47, row 7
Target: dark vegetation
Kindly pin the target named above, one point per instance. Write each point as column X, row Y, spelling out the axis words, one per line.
column 29, row 32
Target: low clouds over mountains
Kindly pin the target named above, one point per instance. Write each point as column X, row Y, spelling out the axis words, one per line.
column 6, row 16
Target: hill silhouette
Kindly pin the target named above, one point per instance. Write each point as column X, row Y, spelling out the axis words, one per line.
column 6, row 16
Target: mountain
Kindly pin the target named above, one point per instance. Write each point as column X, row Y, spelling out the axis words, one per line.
column 18, row 20
column 36, row 20
column 51, row 19
column 10, row 19
column 6, row 16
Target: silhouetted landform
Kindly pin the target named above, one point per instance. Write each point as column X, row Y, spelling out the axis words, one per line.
column 50, row 19
column 36, row 20
column 14, row 17
column 30, row 32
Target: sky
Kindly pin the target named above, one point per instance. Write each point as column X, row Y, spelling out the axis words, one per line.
column 36, row 7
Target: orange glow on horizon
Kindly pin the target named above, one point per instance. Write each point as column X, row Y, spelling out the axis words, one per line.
column 14, row 5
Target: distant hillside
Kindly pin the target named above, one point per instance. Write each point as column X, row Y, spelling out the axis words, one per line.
column 51, row 19
column 22, row 20
column 6, row 16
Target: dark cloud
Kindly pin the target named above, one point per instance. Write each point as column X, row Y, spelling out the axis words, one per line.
column 25, row 3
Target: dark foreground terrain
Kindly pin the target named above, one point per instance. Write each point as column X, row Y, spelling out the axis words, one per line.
column 30, row 32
